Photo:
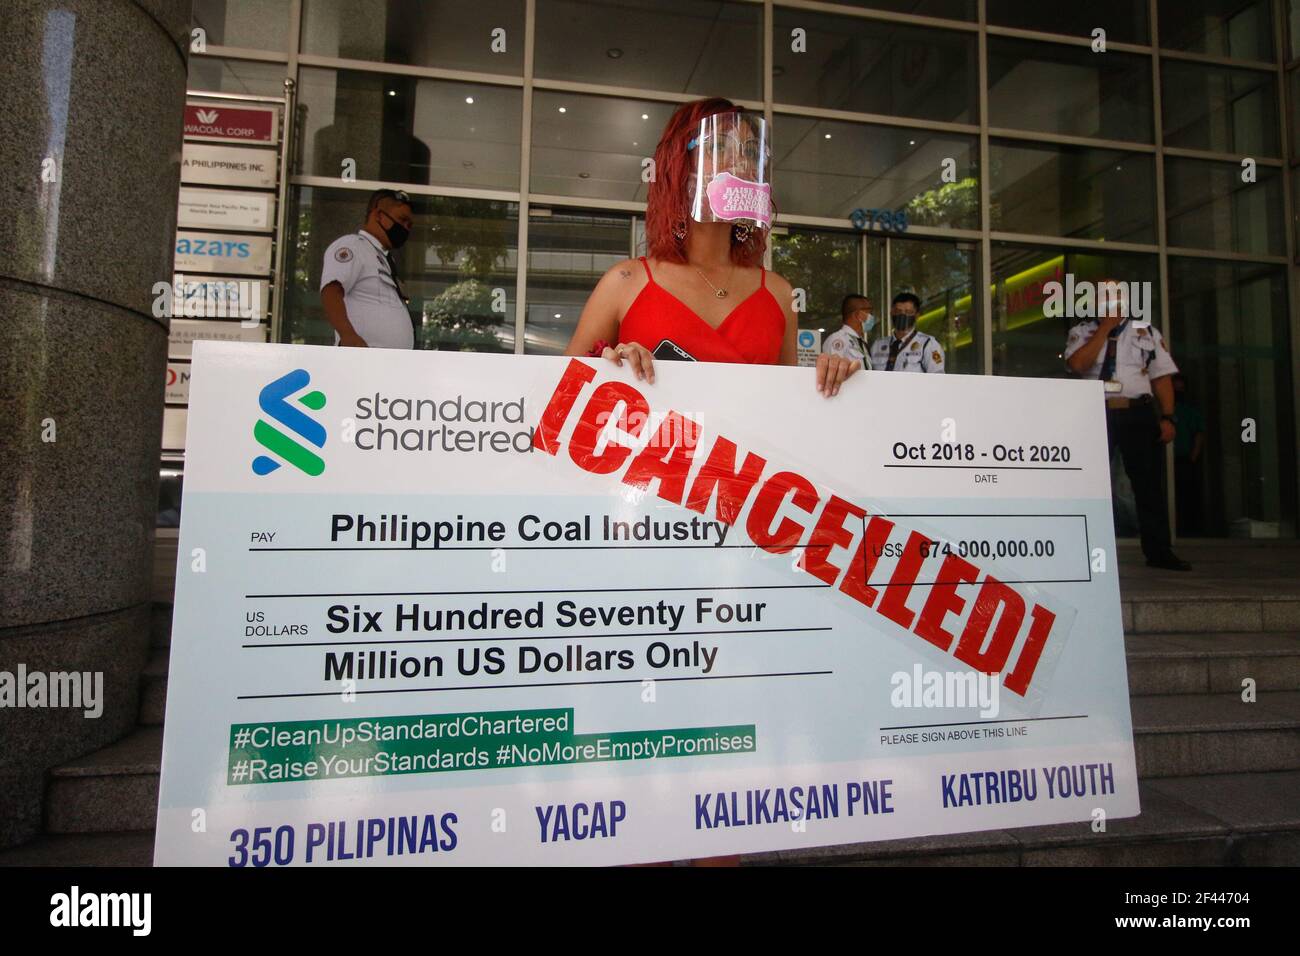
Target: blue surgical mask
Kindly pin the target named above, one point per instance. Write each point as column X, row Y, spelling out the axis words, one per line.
column 869, row 323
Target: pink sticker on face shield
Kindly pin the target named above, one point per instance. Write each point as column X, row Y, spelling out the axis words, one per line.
column 731, row 197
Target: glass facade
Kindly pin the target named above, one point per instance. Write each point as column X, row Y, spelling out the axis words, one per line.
column 1069, row 90
column 460, row 253
column 249, row 24
column 864, row 65
column 1124, row 21
column 1233, row 352
column 716, row 48
column 1073, row 191
column 428, row 33
column 1239, row 29
column 1006, row 147
column 405, row 129
column 593, row 146
column 829, row 168
column 1027, row 343
column 1220, row 109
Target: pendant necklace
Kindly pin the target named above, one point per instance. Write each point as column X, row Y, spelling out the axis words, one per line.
column 717, row 293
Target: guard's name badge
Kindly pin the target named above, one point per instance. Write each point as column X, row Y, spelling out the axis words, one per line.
column 1113, row 386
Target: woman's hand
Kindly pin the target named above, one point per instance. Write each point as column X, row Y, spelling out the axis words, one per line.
column 833, row 371
column 636, row 355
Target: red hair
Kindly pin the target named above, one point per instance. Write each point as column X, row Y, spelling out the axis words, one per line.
column 668, row 206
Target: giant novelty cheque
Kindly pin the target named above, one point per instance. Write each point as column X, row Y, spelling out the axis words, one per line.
column 444, row 608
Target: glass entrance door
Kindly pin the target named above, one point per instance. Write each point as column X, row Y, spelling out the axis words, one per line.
column 824, row 266
column 943, row 275
column 828, row 265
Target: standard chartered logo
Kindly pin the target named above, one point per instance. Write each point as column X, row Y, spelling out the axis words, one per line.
column 276, row 404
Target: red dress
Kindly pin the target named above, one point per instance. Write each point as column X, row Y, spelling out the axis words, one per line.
column 752, row 332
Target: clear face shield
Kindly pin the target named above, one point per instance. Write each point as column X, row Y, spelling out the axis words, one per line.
column 731, row 159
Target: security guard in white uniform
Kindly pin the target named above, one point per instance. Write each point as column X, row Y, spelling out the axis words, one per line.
column 1130, row 356
column 908, row 349
column 359, row 288
column 850, row 339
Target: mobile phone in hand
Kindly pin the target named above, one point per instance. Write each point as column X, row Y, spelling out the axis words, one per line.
column 668, row 350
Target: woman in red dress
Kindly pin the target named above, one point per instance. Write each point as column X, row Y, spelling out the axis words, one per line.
column 702, row 292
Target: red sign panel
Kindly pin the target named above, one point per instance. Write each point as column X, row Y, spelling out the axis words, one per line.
column 230, row 124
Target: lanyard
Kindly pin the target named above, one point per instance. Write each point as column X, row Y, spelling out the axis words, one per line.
column 1112, row 351
column 896, row 347
column 392, row 270
column 862, row 342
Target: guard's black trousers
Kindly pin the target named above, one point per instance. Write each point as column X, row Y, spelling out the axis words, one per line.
column 1136, row 431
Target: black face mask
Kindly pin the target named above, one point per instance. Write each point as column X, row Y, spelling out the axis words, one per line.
column 397, row 233
column 904, row 322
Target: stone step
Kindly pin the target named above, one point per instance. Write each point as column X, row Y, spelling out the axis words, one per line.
column 1181, row 735
column 1239, row 608
column 116, row 788
column 132, row 848
column 110, row 790
column 153, row 689
column 161, row 625
column 1212, row 663
column 1215, row 820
